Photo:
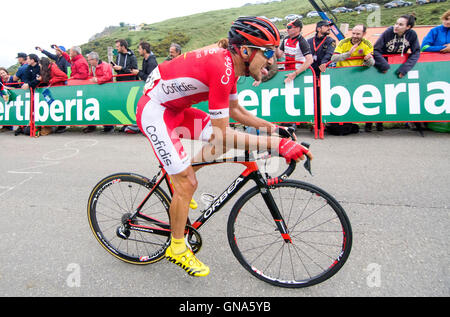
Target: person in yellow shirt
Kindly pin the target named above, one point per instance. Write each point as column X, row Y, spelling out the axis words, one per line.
column 355, row 46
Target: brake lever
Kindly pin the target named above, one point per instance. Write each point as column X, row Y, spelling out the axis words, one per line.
column 307, row 164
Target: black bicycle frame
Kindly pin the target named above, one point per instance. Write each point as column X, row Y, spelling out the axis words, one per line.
column 251, row 173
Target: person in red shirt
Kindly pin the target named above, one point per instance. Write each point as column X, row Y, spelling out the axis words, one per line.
column 166, row 110
column 79, row 65
column 51, row 74
column 101, row 72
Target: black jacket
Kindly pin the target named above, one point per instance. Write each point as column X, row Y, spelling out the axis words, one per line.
column 324, row 52
column 391, row 43
column 148, row 65
column 33, row 72
column 128, row 61
column 60, row 61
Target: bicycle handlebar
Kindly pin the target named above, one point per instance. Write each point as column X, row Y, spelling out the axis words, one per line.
column 289, row 133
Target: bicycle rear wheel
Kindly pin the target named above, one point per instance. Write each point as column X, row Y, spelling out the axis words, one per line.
column 319, row 229
column 111, row 205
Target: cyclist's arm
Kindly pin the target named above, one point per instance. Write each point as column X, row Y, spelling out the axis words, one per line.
column 242, row 115
column 224, row 138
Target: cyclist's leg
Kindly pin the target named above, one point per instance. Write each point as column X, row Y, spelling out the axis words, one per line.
column 159, row 125
column 185, row 184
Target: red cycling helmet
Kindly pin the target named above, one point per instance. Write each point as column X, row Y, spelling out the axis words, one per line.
column 254, row 30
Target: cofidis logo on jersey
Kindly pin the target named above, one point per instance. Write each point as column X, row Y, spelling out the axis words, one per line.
column 228, row 71
column 177, row 88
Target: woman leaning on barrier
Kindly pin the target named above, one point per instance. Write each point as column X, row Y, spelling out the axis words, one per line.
column 50, row 75
column 398, row 39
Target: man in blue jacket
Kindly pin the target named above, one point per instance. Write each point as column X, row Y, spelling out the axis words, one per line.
column 438, row 39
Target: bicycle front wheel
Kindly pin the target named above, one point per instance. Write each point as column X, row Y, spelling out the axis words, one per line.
column 319, row 230
column 112, row 204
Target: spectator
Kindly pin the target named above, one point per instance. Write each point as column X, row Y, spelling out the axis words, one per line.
column 2, row 90
column 174, row 51
column 355, row 46
column 438, row 39
column 33, row 71
column 322, row 48
column 51, row 75
column 344, row 55
column 398, row 39
column 101, row 73
column 31, row 74
column 79, row 65
column 125, row 61
column 4, row 95
column 296, row 49
column 148, row 64
column 4, row 78
column 22, row 74
column 61, row 62
column 8, row 79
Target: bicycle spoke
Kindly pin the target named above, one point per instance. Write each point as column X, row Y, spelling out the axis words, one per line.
column 111, row 213
column 316, row 236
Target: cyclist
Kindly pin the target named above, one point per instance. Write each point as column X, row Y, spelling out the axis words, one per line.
column 165, row 114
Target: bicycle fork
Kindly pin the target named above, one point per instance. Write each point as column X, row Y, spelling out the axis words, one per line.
column 274, row 211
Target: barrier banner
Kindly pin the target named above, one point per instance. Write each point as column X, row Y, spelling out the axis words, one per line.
column 361, row 94
column 115, row 103
column 17, row 110
column 107, row 104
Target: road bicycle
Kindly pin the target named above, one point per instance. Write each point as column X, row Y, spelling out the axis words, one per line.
column 285, row 232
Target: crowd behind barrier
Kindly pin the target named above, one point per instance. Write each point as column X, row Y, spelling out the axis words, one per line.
column 318, row 122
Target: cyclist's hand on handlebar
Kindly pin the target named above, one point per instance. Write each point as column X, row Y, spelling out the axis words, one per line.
column 291, row 150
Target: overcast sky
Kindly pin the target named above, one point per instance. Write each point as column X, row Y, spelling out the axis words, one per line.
column 26, row 24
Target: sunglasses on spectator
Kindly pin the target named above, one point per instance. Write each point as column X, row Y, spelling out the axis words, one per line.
column 267, row 52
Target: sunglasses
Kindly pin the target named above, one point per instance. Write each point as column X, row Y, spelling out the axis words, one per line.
column 267, row 52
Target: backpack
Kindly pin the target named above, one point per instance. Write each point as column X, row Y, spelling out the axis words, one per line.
column 342, row 129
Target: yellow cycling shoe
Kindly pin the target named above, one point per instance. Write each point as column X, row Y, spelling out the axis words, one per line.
column 188, row 262
column 193, row 204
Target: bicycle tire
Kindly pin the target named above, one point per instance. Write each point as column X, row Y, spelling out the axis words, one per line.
column 321, row 238
column 106, row 211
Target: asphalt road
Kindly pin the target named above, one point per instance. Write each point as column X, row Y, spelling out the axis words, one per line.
column 394, row 186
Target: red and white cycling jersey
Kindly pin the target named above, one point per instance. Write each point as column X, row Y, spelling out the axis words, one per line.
column 205, row 75
column 165, row 113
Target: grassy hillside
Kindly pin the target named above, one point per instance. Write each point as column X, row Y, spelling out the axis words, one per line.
column 203, row 29
column 200, row 29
